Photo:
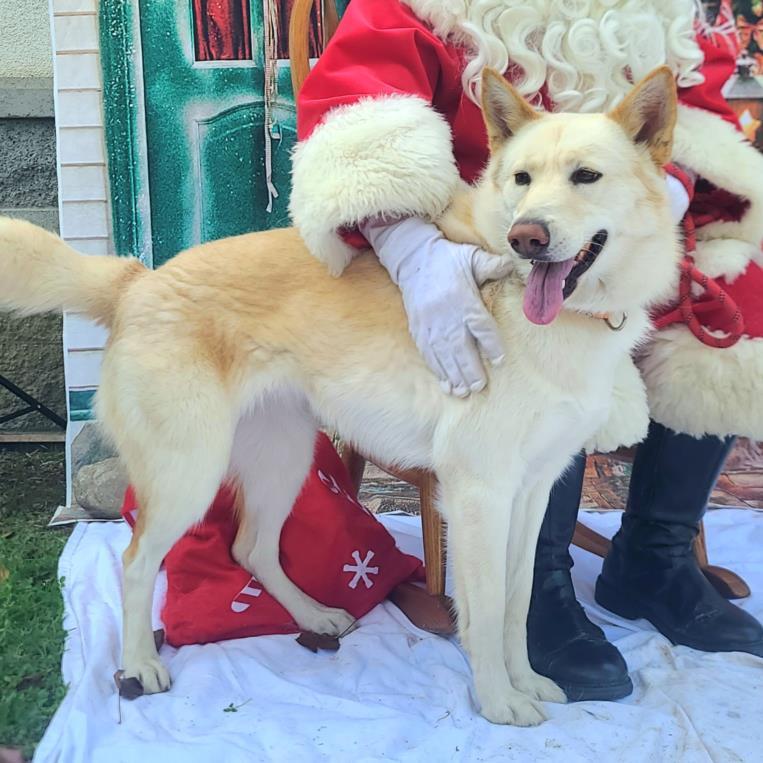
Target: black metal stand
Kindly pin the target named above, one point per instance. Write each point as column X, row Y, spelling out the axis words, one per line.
column 33, row 405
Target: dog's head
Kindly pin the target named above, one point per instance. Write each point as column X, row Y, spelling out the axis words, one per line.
column 580, row 199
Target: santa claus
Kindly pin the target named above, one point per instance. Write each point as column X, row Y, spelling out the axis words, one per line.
column 389, row 124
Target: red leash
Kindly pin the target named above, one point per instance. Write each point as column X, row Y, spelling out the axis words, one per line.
column 689, row 312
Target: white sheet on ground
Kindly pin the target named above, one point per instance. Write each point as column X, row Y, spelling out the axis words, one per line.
column 393, row 692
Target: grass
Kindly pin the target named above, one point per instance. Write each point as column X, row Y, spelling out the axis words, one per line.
column 31, row 633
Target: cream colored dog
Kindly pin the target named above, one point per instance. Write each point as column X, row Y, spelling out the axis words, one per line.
column 222, row 363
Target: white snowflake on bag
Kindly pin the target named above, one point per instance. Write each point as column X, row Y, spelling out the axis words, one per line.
column 361, row 569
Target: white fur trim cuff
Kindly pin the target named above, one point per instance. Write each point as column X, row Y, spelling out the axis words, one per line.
column 702, row 390
column 390, row 155
column 712, row 147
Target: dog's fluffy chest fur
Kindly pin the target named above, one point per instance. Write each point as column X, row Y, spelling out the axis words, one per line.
column 561, row 374
column 554, row 388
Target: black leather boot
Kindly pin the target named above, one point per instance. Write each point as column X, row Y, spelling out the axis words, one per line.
column 651, row 571
column 563, row 644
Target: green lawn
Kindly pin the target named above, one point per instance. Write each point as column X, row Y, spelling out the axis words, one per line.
column 31, row 634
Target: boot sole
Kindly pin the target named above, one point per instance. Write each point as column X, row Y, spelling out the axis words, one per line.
column 610, row 598
column 608, row 692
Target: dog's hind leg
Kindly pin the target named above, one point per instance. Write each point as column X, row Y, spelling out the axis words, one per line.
column 175, row 444
column 173, row 493
column 527, row 519
column 478, row 509
column 272, row 455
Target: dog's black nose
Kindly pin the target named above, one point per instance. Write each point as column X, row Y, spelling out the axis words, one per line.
column 529, row 239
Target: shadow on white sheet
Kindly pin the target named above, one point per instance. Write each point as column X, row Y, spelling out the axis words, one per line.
column 393, row 692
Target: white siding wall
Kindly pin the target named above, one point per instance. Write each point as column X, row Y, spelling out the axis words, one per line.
column 83, row 183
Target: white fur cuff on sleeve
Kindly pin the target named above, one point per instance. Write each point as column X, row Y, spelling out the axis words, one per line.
column 388, row 155
column 701, row 390
column 714, row 149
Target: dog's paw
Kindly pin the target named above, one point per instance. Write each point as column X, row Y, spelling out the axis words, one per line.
column 150, row 672
column 538, row 687
column 326, row 620
column 514, row 709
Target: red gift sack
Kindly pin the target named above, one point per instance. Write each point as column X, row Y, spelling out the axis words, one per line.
column 331, row 547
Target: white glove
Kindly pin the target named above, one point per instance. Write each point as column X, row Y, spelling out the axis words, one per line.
column 679, row 198
column 439, row 282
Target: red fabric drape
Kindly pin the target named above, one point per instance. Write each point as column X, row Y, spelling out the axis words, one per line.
column 222, row 30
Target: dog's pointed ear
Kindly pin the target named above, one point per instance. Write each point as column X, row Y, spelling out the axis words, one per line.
column 503, row 108
column 649, row 112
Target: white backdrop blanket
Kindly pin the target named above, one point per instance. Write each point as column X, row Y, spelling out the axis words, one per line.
column 393, row 692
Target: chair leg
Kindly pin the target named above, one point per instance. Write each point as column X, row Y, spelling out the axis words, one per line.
column 429, row 608
column 727, row 583
column 590, row 540
column 433, row 529
column 355, row 464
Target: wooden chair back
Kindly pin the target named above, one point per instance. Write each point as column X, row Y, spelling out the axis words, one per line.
column 299, row 36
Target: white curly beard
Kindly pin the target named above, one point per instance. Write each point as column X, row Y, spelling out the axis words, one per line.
column 587, row 53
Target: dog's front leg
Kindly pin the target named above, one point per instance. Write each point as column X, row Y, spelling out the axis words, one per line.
column 528, row 516
column 479, row 519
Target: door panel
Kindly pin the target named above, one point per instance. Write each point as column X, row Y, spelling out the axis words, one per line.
column 205, row 122
column 232, row 191
column 205, row 127
column 226, row 145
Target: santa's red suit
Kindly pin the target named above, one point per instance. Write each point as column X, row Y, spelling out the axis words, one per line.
column 387, row 126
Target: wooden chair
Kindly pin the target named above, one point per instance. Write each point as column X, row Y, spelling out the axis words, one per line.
column 728, row 584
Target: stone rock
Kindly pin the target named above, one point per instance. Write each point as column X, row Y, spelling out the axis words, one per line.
column 90, row 446
column 99, row 488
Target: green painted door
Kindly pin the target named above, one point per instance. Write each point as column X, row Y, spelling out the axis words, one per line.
column 205, row 131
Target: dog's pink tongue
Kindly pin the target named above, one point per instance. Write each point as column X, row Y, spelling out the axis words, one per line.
column 544, row 292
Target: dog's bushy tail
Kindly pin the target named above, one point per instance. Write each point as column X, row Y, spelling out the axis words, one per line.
column 39, row 273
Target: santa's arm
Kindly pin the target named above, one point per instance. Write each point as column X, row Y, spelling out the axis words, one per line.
column 371, row 142
column 708, row 141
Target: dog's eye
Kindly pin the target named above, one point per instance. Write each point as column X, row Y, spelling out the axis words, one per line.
column 522, row 178
column 585, row 176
